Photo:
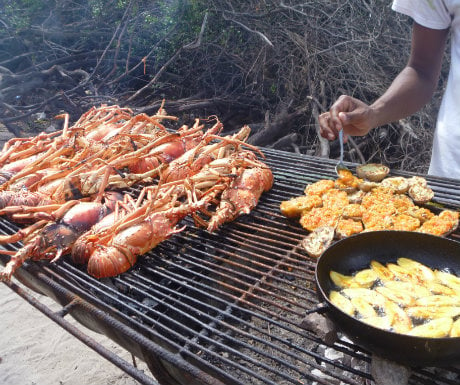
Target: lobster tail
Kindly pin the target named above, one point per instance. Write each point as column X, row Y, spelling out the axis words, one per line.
column 242, row 195
column 110, row 261
column 82, row 250
column 21, row 198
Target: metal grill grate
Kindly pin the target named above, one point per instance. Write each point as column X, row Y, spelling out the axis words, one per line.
column 227, row 307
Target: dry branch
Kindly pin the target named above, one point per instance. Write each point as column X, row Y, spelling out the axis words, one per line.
column 286, row 60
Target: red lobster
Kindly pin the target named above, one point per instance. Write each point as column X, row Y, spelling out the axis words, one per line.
column 114, row 249
column 242, row 195
column 65, row 165
column 54, row 234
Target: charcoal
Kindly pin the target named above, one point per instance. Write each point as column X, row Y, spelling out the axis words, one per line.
column 387, row 372
column 321, row 326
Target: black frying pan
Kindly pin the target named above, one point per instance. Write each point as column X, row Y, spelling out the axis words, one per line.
column 355, row 253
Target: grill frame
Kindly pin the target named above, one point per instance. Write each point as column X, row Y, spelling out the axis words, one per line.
column 260, row 271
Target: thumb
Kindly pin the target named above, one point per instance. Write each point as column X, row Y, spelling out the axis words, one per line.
column 354, row 123
column 346, row 117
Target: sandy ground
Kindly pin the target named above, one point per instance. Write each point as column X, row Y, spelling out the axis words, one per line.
column 36, row 351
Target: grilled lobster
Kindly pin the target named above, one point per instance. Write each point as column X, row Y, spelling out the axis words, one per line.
column 54, row 234
column 116, row 248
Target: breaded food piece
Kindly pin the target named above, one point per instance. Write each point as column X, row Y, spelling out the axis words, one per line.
column 405, row 222
column 378, row 195
column 294, row 207
column 356, row 196
column 374, row 220
column 335, row 199
column 417, row 180
column 347, row 181
column 353, row 211
column 421, row 213
column 442, row 224
column 402, row 203
column 319, row 187
column 319, row 217
column 373, row 172
column 347, row 227
column 450, row 216
column 367, row 185
column 378, row 210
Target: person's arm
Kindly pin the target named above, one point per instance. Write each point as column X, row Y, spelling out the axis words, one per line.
column 408, row 93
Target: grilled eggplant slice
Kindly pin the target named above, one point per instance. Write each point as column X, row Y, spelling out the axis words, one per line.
column 318, row 241
column 417, row 181
column 373, row 172
column 397, row 183
column 421, row 194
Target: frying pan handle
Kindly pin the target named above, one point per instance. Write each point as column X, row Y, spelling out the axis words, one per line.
column 321, row 308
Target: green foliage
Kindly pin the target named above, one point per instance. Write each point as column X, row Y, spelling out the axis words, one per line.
column 89, row 25
column 22, row 13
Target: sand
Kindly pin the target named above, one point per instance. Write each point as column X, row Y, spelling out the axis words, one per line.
column 36, row 351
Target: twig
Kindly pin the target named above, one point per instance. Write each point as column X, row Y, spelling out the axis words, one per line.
column 196, row 44
column 260, row 34
column 99, row 61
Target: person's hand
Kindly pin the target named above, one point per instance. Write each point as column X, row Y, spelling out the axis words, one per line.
column 347, row 113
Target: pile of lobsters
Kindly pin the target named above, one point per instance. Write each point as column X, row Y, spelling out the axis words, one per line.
column 66, row 187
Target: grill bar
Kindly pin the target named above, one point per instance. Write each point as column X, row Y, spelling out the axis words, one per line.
column 226, row 308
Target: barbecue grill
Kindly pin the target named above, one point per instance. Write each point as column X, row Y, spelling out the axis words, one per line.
column 222, row 308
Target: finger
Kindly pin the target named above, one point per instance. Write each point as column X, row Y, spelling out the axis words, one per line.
column 335, row 121
column 326, row 129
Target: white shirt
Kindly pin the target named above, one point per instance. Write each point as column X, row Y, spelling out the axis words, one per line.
column 442, row 14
